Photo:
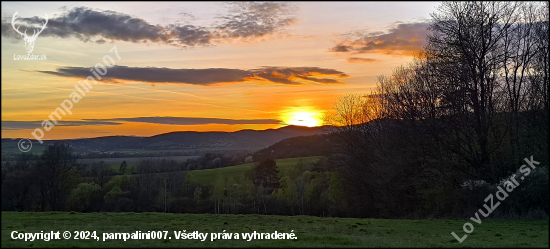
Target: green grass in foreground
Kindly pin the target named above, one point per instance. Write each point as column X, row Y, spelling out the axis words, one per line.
column 310, row 231
column 207, row 176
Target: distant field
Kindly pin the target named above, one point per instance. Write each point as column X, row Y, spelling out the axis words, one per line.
column 210, row 175
column 11, row 147
column 114, row 163
column 135, row 160
column 147, row 151
column 309, row 231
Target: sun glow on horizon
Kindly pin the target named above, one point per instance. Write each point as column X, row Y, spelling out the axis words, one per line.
column 303, row 117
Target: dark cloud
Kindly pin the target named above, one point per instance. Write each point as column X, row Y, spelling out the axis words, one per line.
column 361, row 60
column 193, row 121
column 255, row 19
column 207, row 76
column 189, row 35
column 246, row 20
column 85, row 24
column 340, row 48
column 211, row 76
column 403, row 39
column 20, row 125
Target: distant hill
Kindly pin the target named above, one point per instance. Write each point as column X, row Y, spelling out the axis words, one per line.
column 184, row 140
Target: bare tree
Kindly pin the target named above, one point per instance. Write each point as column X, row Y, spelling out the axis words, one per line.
column 467, row 37
column 57, row 168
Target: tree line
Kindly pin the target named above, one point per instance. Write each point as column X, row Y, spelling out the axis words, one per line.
column 57, row 181
column 468, row 109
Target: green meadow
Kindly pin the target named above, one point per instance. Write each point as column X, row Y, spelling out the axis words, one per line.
column 207, row 176
column 10, row 147
column 132, row 162
column 309, row 231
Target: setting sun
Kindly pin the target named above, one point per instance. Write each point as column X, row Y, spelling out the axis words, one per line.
column 304, row 118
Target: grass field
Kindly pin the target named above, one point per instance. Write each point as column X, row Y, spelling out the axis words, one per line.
column 207, row 176
column 309, row 231
column 136, row 160
column 10, row 147
column 114, row 163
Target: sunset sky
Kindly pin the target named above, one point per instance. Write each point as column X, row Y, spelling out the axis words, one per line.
column 198, row 66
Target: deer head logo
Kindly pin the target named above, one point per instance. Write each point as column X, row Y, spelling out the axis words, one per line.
column 29, row 40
